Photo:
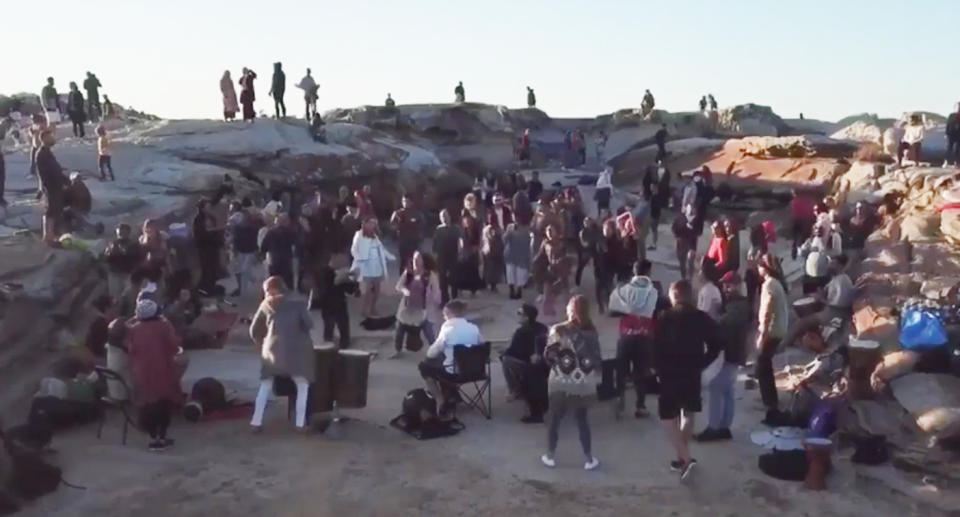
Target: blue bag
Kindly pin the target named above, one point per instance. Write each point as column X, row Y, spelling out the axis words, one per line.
column 921, row 328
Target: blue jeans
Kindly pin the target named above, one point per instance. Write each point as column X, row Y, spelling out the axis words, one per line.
column 722, row 404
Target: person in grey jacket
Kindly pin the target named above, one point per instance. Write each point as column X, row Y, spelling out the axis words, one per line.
column 281, row 328
column 517, row 253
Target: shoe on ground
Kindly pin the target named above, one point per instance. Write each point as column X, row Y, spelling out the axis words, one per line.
column 641, row 412
column 708, row 435
column 687, row 469
column 725, row 434
column 591, row 464
column 235, row 293
column 775, row 418
column 395, row 355
column 548, row 461
column 169, row 442
column 676, row 465
column 532, row 419
column 256, row 429
column 157, row 446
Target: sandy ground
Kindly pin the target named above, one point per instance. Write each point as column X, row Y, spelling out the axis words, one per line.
column 491, row 468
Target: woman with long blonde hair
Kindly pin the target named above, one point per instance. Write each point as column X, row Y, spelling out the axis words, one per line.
column 573, row 356
column 281, row 329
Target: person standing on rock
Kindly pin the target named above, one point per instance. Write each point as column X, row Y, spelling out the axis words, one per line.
column 660, row 137
column 408, row 222
column 600, row 147
column 230, row 106
column 524, row 153
column 703, row 103
column 531, row 98
column 446, row 241
column 280, row 247
column 92, row 85
column 953, row 137
column 53, row 185
column 309, row 87
column 51, row 102
column 733, row 326
column 604, row 188
column 278, row 86
column 491, row 254
column 153, row 345
column 713, row 103
column 76, row 110
column 687, row 342
column 517, row 254
column 773, row 317
column 656, row 190
column 573, row 355
column 370, row 260
column 389, row 103
column 104, row 154
column 281, row 330
column 459, row 94
column 636, row 302
column 243, row 227
column 204, row 237
column 248, row 94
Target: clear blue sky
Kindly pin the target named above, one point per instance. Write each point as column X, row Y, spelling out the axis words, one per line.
column 825, row 58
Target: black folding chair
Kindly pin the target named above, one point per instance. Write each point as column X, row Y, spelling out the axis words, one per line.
column 472, row 380
column 106, row 376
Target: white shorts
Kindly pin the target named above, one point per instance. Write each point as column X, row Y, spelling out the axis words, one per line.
column 517, row 275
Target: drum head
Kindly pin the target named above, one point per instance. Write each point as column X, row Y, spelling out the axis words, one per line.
column 324, row 347
column 819, row 442
column 355, row 353
column 805, row 302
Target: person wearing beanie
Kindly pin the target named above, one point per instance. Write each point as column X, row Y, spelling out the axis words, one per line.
column 523, row 360
column 152, row 346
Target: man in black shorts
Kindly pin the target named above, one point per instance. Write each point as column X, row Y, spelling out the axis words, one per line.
column 687, row 342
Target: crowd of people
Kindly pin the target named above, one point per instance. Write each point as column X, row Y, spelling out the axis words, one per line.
column 278, row 89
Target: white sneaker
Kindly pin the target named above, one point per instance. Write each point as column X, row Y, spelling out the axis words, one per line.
column 548, row 461
column 592, row 464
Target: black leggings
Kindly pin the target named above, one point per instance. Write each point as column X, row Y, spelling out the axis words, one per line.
column 633, row 358
column 77, row 127
column 764, row 372
column 340, row 319
column 278, row 104
column 155, row 418
column 209, row 256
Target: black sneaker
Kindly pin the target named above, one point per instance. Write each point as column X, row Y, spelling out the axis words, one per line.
column 157, row 446
column 685, row 471
column 641, row 412
column 676, row 465
column 707, row 435
column 724, row 434
column 532, row 419
column 169, row 442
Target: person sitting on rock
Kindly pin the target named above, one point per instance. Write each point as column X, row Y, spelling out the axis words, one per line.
column 460, row 95
column 317, row 130
column 389, row 103
column 79, row 202
column 646, row 106
column 912, row 140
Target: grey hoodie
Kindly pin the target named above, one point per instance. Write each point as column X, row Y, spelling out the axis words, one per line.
column 637, row 297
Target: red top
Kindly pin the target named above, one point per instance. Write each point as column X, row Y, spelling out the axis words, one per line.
column 802, row 207
column 152, row 345
column 718, row 252
column 632, row 325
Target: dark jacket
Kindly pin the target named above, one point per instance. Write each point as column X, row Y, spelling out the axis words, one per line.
column 123, row 255
column 51, row 175
column 333, row 290
column 734, row 326
column 953, row 125
column 91, row 84
column 662, row 187
column 534, row 189
column 683, row 333
column 445, row 242
column 527, row 340
column 75, row 103
column 279, row 245
column 660, row 137
column 279, row 83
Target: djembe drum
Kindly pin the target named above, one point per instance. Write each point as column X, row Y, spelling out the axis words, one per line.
column 806, row 306
column 864, row 358
column 322, row 389
column 818, row 462
column 353, row 368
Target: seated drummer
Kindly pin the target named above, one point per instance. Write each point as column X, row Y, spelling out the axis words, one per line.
column 822, row 377
column 439, row 365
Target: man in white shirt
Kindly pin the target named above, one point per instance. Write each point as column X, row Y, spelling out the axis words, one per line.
column 439, row 364
column 840, row 290
column 773, row 317
column 709, row 299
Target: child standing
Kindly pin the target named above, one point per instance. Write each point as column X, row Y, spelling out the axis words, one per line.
column 103, row 148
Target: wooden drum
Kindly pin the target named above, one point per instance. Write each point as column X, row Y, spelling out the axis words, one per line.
column 353, row 368
column 864, row 358
column 322, row 389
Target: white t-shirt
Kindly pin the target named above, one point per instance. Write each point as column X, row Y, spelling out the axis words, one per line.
column 840, row 291
column 709, row 300
column 454, row 332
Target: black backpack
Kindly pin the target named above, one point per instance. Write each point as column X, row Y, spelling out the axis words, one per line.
column 419, row 419
column 32, row 477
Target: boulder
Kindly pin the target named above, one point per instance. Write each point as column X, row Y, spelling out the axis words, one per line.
column 860, row 131
column 875, row 319
column 934, row 260
column 950, row 225
column 932, row 399
column 795, row 147
column 752, row 119
column 884, row 255
column 919, row 227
